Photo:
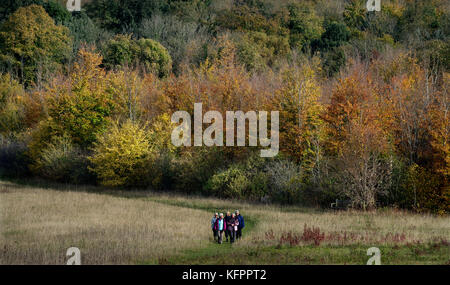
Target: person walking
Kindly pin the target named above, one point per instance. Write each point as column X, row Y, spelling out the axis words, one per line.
column 228, row 231
column 233, row 227
column 213, row 222
column 220, row 226
column 240, row 226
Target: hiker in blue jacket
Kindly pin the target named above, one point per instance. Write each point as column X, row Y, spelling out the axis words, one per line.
column 220, row 226
column 240, row 226
column 213, row 222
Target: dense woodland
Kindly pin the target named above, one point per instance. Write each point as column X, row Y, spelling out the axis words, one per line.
column 86, row 97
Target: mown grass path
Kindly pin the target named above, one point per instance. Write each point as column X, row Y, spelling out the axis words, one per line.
column 213, row 250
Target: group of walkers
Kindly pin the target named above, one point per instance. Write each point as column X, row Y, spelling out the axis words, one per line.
column 231, row 224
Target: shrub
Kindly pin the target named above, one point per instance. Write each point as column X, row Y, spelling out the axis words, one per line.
column 244, row 179
column 313, row 234
column 41, row 136
column 118, row 51
column 257, row 187
column 121, row 156
column 13, row 159
column 397, row 195
column 62, row 161
column 230, row 183
column 293, row 239
column 259, row 179
column 427, row 190
column 163, row 171
column 284, row 181
column 195, row 168
column 154, row 57
column 162, row 167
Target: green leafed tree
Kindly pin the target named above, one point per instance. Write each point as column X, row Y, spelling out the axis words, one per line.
column 355, row 15
column 336, row 33
column 145, row 53
column 304, row 25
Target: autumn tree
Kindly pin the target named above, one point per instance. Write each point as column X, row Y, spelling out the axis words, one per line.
column 78, row 106
column 439, row 199
column 125, row 87
column 411, row 101
column 301, row 126
column 223, row 81
column 356, row 139
column 364, row 173
column 347, row 99
column 440, row 131
column 31, row 45
column 413, row 111
column 221, row 84
column 12, row 109
column 121, row 155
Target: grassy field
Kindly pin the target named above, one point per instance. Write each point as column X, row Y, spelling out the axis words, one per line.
column 38, row 223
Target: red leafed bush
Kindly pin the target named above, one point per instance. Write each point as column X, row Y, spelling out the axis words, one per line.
column 312, row 234
column 292, row 238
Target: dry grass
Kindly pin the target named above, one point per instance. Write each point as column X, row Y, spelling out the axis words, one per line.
column 374, row 229
column 38, row 226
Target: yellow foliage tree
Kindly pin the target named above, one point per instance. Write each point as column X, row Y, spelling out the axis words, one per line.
column 80, row 105
column 121, row 156
column 32, row 45
column 12, row 109
column 301, row 125
column 125, row 88
column 160, row 134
